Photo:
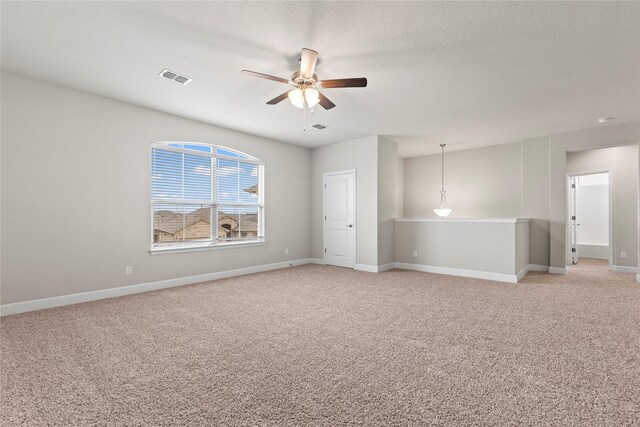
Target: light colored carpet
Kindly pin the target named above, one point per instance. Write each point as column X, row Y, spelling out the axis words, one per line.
column 316, row 345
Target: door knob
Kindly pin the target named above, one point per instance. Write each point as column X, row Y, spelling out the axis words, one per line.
column 349, row 225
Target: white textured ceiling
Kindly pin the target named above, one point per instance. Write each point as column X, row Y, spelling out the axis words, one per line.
column 467, row 74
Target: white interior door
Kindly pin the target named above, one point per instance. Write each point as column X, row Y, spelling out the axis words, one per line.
column 340, row 219
column 573, row 255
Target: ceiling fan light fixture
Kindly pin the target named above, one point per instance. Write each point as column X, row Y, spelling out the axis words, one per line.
column 296, row 97
column 312, row 97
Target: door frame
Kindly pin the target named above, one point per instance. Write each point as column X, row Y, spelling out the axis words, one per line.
column 573, row 230
column 568, row 210
column 355, row 212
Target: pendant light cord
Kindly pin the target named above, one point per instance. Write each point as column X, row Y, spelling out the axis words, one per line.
column 442, row 146
column 442, row 210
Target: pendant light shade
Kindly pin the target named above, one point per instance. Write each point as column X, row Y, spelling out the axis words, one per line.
column 443, row 210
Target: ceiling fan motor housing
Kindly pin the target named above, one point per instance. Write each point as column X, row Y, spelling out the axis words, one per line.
column 298, row 80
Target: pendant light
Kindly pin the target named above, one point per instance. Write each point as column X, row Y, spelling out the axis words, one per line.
column 442, row 210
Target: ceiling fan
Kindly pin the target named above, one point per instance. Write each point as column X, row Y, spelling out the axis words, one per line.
column 306, row 84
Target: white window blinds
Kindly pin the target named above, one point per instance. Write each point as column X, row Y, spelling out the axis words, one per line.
column 204, row 195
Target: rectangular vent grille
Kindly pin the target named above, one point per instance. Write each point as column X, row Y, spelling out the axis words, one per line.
column 172, row 75
column 319, row 126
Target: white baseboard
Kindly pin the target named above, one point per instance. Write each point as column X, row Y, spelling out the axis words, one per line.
column 375, row 268
column 40, row 304
column 367, row 268
column 593, row 251
column 604, row 258
column 532, row 267
column 386, row 267
column 623, row 269
column 59, row 301
column 498, row 277
column 522, row 273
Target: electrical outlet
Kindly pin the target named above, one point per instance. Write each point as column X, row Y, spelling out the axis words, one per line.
column 415, row 253
column 286, row 251
column 623, row 255
column 128, row 270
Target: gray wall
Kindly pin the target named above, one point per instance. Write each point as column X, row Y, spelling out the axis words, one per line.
column 400, row 188
column 362, row 155
column 375, row 160
column 560, row 144
column 478, row 246
column 75, row 194
column 535, row 197
column 481, row 183
column 526, row 179
column 522, row 246
column 387, row 199
column 622, row 162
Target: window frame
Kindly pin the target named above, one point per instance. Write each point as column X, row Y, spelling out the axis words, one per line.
column 213, row 204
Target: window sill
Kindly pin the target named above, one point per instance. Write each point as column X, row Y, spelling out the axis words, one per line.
column 182, row 249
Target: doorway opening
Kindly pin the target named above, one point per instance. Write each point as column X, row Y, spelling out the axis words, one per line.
column 590, row 219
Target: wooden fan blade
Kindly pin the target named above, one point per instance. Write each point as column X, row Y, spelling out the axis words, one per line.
column 278, row 98
column 265, row 76
column 308, row 61
column 354, row 82
column 324, row 101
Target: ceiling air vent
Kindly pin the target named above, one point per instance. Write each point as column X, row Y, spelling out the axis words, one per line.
column 319, row 126
column 172, row 75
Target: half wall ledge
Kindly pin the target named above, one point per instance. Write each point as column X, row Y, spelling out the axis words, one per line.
column 484, row 248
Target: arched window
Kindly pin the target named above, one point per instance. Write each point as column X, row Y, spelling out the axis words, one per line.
column 205, row 195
